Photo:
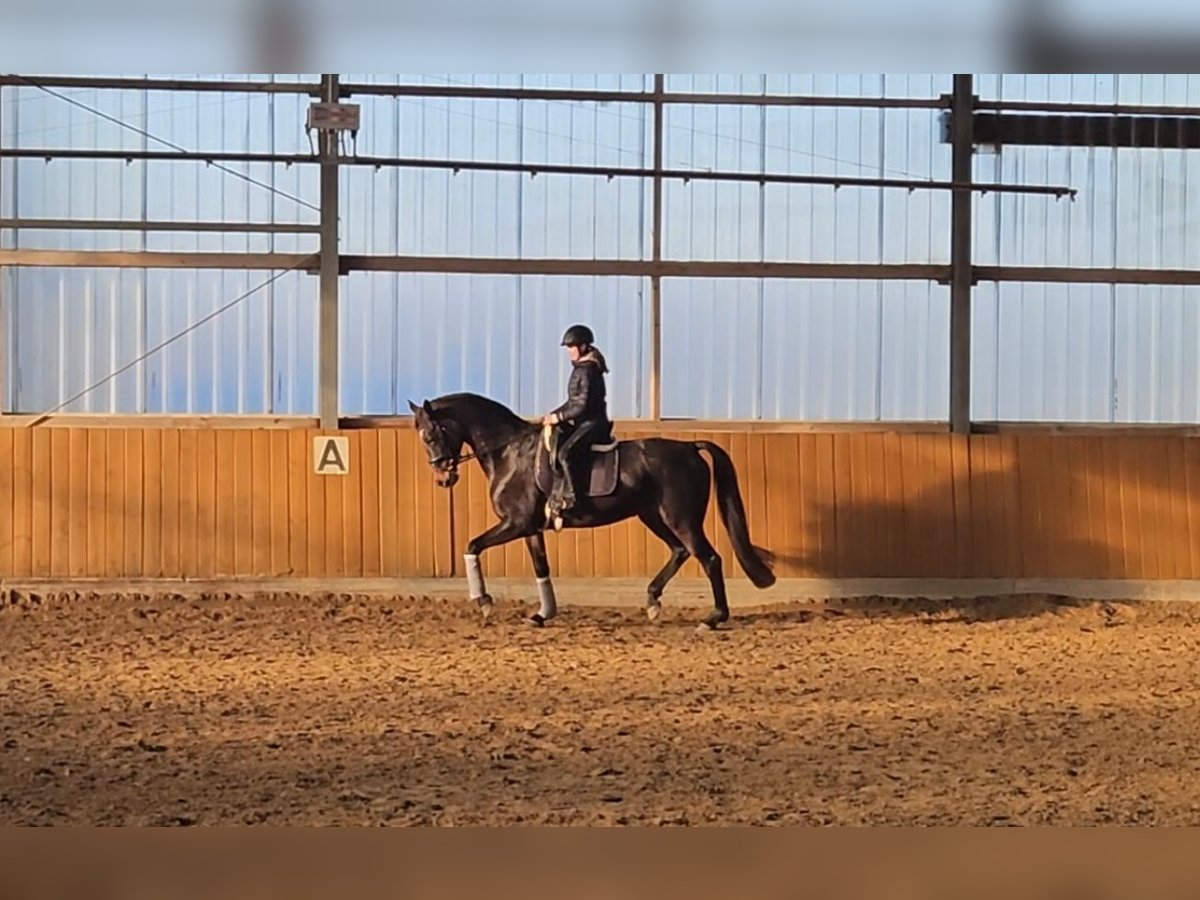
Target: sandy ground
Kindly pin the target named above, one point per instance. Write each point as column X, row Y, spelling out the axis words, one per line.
column 404, row 711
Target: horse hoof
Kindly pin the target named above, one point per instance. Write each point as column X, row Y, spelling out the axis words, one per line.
column 537, row 620
column 486, row 607
column 706, row 628
column 653, row 611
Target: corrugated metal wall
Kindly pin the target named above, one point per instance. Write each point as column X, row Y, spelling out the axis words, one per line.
column 1109, row 353
column 199, row 502
column 846, row 350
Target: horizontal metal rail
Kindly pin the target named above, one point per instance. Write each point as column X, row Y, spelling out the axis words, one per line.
column 469, row 91
column 532, row 169
column 156, row 259
column 1085, row 275
column 1063, row 106
column 149, row 225
column 644, row 268
column 452, row 91
column 161, row 84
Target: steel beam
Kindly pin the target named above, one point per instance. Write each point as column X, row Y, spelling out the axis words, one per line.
column 962, row 120
column 656, row 238
column 154, row 259
column 1085, row 275
column 667, row 268
column 160, row 84
column 133, row 225
column 330, row 271
column 467, row 91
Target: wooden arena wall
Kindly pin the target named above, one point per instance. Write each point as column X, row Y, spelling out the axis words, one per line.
column 146, row 502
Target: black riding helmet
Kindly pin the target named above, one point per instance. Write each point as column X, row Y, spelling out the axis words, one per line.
column 578, row 335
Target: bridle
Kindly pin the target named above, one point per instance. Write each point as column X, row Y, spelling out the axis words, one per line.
column 452, row 462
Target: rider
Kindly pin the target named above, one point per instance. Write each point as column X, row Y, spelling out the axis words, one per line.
column 583, row 418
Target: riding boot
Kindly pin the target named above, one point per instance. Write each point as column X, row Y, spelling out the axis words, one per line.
column 575, row 487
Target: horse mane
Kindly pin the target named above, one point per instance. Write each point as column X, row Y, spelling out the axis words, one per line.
column 478, row 406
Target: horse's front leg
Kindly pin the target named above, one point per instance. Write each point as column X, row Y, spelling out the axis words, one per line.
column 547, row 605
column 498, row 534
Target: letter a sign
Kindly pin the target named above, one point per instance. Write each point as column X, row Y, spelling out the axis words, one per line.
column 331, row 455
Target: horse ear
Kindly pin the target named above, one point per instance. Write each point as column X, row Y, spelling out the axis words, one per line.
column 413, row 407
column 428, row 408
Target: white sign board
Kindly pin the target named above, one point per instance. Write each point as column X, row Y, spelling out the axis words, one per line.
column 331, row 455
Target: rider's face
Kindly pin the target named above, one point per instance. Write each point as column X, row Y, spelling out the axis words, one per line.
column 575, row 351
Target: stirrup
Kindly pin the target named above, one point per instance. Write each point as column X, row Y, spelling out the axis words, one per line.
column 553, row 520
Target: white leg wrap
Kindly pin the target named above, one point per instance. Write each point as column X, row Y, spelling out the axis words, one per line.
column 549, row 606
column 474, row 576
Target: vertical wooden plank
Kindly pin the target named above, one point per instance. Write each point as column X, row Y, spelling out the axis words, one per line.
column 1135, row 563
column 278, row 559
column 368, row 444
column 189, row 493
column 960, row 459
column 1147, row 460
column 22, row 507
column 1073, row 520
column 225, row 466
column 843, row 490
column 114, row 504
column 6, row 501
column 782, row 500
column 1030, row 449
column 132, row 512
column 446, row 553
column 1191, row 494
column 896, row 539
column 827, row 556
column 352, row 540
column 95, row 511
column 335, row 523
column 60, row 502
column 805, row 541
column 152, row 544
column 42, row 503
column 77, row 564
column 1118, row 544
column 910, row 488
column 299, row 462
column 1014, row 544
column 262, row 467
column 424, row 528
column 241, row 512
column 170, row 501
column 207, row 467
column 389, row 505
column 317, row 526
column 1091, row 475
column 1162, row 535
column 1174, row 525
column 757, row 513
column 986, row 533
column 411, row 556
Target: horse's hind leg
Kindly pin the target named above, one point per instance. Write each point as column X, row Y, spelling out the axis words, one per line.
column 697, row 544
column 683, row 506
column 679, row 555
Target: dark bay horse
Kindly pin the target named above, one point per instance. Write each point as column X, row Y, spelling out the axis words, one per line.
column 665, row 483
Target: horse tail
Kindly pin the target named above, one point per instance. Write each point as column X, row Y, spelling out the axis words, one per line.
column 755, row 561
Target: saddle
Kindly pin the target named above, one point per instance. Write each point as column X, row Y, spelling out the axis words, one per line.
column 605, row 464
